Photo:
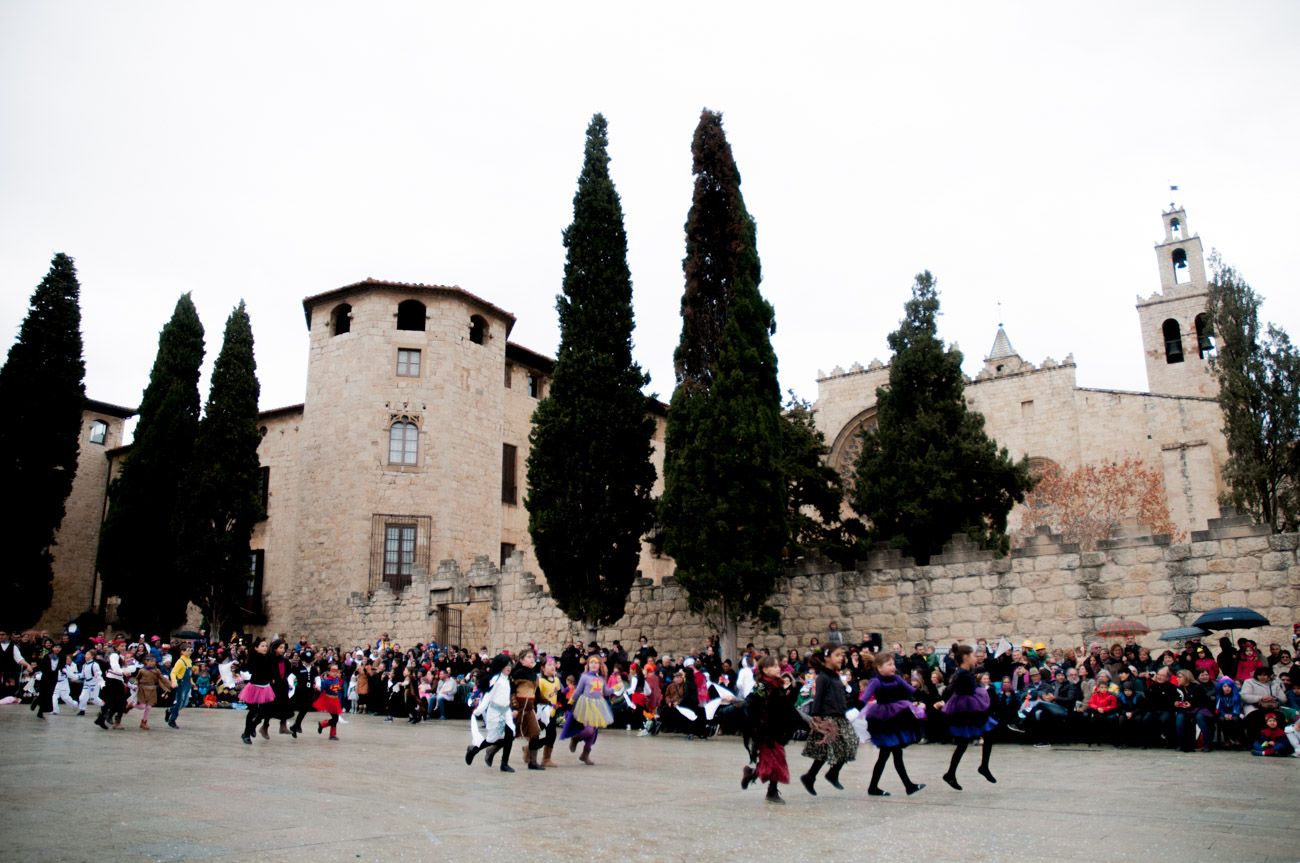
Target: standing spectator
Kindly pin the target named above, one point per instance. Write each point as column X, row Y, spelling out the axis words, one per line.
column 834, row 638
column 11, row 661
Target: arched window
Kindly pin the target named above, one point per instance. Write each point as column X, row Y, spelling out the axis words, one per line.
column 341, row 319
column 478, row 329
column 1204, row 336
column 1181, row 273
column 410, row 315
column 1176, row 229
column 404, row 442
column 1173, row 342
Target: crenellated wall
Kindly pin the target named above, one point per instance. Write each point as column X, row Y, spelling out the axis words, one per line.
column 1047, row 591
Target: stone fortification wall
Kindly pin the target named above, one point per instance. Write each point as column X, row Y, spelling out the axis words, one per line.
column 1047, row 591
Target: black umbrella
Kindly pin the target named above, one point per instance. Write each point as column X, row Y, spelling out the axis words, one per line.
column 187, row 633
column 1183, row 633
column 1231, row 617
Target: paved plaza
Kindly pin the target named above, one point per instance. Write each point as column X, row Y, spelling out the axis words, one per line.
column 391, row 791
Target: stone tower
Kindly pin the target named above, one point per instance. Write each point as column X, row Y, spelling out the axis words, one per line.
column 1175, row 334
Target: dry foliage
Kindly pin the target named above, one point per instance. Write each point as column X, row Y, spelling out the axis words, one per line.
column 1086, row 504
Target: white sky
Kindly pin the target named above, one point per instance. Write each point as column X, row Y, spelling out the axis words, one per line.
column 271, row 151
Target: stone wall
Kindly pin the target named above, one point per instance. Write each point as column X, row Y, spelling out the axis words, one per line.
column 1046, row 591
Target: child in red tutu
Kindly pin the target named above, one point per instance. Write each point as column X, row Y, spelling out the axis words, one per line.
column 330, row 686
column 773, row 720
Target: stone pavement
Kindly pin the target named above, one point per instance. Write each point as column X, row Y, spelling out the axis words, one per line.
column 399, row 792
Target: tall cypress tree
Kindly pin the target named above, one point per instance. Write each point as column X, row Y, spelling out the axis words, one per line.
column 220, row 502
column 723, row 507
column 928, row 469
column 137, row 548
column 1258, row 370
column 589, row 469
column 42, row 390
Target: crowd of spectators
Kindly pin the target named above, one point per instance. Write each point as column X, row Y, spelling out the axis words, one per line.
column 1123, row 694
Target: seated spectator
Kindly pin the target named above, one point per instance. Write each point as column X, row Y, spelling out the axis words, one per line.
column 1261, row 691
column 1159, row 718
column 1248, row 659
column 1271, row 738
column 1188, row 714
column 1102, row 713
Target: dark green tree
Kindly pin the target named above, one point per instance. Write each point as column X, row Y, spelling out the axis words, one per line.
column 928, row 470
column 137, row 548
column 589, row 468
column 42, row 390
column 723, row 509
column 1259, row 391
column 221, row 503
column 814, row 490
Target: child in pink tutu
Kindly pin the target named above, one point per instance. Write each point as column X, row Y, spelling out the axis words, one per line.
column 257, row 693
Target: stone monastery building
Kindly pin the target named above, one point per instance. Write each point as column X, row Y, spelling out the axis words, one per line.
column 394, row 492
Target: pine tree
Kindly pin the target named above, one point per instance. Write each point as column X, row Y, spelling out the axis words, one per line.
column 1259, row 392
column 589, row 469
column 42, row 390
column 723, row 509
column 928, row 469
column 137, row 548
column 221, row 503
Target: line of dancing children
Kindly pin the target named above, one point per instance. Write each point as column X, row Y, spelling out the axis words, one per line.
column 280, row 686
column 772, row 721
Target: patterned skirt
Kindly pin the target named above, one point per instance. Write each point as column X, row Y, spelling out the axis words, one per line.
column 831, row 739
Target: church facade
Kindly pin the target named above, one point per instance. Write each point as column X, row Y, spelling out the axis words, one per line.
column 395, row 493
column 1041, row 412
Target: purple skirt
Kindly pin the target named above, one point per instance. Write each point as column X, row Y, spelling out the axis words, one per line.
column 257, row 693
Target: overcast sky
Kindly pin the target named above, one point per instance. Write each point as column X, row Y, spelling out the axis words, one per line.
column 271, row 151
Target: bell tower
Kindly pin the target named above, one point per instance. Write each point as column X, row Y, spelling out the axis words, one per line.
column 1176, row 337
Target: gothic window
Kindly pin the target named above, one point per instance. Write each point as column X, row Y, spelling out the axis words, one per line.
column 1181, row 274
column 341, row 319
column 399, row 545
column 1173, row 342
column 509, row 471
column 410, row 315
column 98, row 432
column 478, row 329
column 399, row 555
column 408, row 363
column 403, row 442
column 1176, row 229
column 264, row 490
column 1204, row 336
column 253, row 583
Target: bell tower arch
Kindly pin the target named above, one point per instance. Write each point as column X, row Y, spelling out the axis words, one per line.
column 1176, row 337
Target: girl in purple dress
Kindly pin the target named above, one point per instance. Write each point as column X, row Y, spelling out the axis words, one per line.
column 589, row 711
column 966, row 704
column 892, row 723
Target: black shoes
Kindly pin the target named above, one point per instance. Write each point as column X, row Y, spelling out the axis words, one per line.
column 808, row 783
column 915, row 788
column 879, row 792
column 984, row 771
column 951, row 780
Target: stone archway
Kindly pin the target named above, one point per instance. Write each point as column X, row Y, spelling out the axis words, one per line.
column 846, row 448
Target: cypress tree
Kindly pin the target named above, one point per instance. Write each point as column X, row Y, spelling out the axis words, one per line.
column 928, row 469
column 723, row 508
column 589, row 469
column 42, row 389
column 220, row 502
column 814, row 490
column 1259, row 391
column 137, row 548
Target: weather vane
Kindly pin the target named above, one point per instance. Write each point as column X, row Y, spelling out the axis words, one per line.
column 1172, row 204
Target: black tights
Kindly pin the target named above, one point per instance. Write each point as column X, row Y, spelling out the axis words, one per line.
column 986, row 750
column 254, row 716
column 833, row 774
column 879, row 769
column 504, row 745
